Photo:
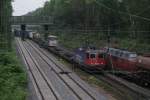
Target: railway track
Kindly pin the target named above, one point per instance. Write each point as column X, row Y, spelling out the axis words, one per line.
column 125, row 89
column 43, row 90
column 51, row 80
column 67, row 72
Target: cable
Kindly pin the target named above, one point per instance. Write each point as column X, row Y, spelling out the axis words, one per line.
column 143, row 11
column 121, row 12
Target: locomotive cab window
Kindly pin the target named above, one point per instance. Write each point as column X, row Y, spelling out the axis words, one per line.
column 121, row 54
column 117, row 53
column 126, row 55
column 92, row 56
column 87, row 55
column 111, row 52
column 100, row 56
column 52, row 38
column 133, row 55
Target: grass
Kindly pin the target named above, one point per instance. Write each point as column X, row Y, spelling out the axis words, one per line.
column 13, row 79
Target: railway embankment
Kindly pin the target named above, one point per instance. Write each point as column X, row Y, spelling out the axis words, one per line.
column 13, row 79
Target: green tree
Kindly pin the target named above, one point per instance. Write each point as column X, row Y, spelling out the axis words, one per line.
column 5, row 22
column 100, row 15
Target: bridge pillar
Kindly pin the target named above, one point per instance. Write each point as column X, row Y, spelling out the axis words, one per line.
column 46, row 28
column 23, row 27
column 23, row 32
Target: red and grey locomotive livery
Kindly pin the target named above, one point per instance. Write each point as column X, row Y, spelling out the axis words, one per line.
column 90, row 57
column 121, row 60
column 128, row 63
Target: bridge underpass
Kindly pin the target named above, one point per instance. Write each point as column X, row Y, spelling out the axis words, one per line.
column 32, row 23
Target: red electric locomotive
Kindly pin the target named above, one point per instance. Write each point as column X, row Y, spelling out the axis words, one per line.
column 89, row 57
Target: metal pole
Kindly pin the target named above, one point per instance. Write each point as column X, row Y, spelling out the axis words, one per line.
column 46, row 31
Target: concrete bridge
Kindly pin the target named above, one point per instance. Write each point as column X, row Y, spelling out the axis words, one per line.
column 32, row 20
column 38, row 23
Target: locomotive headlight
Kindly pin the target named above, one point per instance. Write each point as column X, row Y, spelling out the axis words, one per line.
column 140, row 61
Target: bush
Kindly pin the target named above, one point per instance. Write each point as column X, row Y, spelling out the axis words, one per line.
column 13, row 79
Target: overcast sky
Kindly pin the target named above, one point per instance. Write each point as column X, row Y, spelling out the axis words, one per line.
column 22, row 7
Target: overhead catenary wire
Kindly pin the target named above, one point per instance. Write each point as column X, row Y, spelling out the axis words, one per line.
column 143, row 11
column 121, row 12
